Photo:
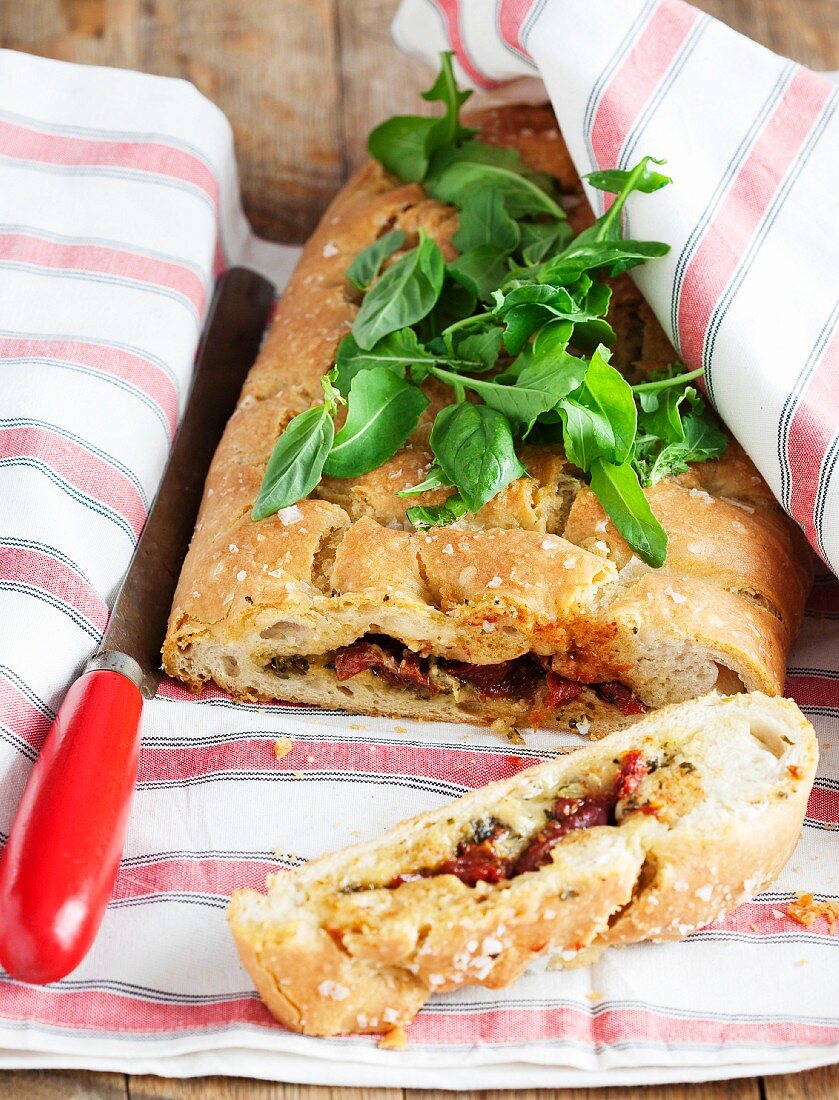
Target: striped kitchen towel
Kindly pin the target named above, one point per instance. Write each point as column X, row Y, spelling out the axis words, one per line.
column 750, row 289
column 118, row 204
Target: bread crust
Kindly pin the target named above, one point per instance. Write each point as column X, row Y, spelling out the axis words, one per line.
column 539, row 569
column 335, row 947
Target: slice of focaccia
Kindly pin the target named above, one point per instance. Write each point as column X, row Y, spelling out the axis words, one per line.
column 533, row 609
column 648, row 834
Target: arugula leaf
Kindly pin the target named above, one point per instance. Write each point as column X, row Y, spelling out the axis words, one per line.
column 473, row 445
column 436, row 479
column 382, row 412
column 602, row 245
column 485, row 221
column 445, row 90
column 455, row 304
column 365, row 267
column 480, row 269
column 405, row 144
column 619, row 491
column 522, row 196
column 703, row 440
column 615, row 256
column 296, row 463
column 394, row 351
column 479, row 349
column 660, row 416
column 437, row 515
column 405, row 294
column 524, row 309
column 537, row 239
column 539, row 387
column 616, row 180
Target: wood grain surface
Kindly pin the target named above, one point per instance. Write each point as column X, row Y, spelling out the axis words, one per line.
column 302, row 82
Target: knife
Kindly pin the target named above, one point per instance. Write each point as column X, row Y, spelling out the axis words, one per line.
column 60, row 864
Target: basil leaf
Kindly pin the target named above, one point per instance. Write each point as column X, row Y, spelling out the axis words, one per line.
column 619, row 491
column 473, row 445
column 382, row 412
column 436, row 480
column 394, row 351
column 365, row 267
column 437, row 515
column 609, row 397
column 485, row 221
column 522, row 197
column 404, row 294
column 296, row 463
column 480, row 269
column 403, row 145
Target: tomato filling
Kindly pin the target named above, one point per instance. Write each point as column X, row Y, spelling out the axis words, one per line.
column 520, row 678
column 479, row 860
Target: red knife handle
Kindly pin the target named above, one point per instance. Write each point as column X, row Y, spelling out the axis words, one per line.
column 61, row 860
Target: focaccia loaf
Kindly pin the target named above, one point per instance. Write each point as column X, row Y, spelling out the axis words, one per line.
column 703, row 802
column 539, row 577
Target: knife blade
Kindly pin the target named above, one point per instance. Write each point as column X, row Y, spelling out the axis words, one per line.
column 60, row 863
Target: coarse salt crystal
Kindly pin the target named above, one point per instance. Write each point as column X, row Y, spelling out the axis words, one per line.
column 233, row 548
column 700, row 494
column 275, row 572
column 334, row 990
column 491, row 946
column 289, row 515
column 488, row 627
column 493, row 582
column 601, row 525
column 448, row 548
column 583, row 726
column 550, row 544
column 329, row 249
column 676, row 597
column 240, row 576
column 436, row 979
column 704, row 893
column 467, row 575
column 569, row 563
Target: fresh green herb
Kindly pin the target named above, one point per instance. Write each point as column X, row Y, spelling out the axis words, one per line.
column 394, row 352
column 485, row 221
column 474, row 447
column 437, row 515
column 436, row 479
column 296, row 463
column 382, row 411
column 365, row 267
column 480, row 270
column 405, row 144
column 619, row 491
column 404, row 295
column 522, row 196
column 523, row 299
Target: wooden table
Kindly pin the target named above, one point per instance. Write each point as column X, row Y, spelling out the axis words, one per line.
column 302, row 82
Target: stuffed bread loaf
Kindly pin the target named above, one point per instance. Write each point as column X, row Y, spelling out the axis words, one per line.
column 461, row 623
column 648, row 834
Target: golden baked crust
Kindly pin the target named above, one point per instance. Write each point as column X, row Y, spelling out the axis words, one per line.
column 347, row 943
column 540, row 569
